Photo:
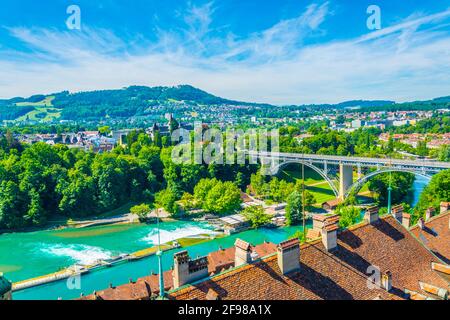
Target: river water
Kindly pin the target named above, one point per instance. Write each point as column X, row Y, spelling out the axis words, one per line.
column 27, row 255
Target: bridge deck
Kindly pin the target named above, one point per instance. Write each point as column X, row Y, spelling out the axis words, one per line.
column 368, row 162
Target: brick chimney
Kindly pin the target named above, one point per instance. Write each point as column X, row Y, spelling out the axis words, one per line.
column 329, row 232
column 421, row 223
column 371, row 215
column 288, row 254
column 243, row 253
column 318, row 221
column 406, row 218
column 186, row 270
column 397, row 212
column 429, row 213
column 445, row 206
column 386, row 281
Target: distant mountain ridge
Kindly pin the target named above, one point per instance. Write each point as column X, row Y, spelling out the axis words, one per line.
column 138, row 101
column 126, row 102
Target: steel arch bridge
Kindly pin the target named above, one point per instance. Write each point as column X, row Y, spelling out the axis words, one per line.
column 360, row 182
column 344, row 166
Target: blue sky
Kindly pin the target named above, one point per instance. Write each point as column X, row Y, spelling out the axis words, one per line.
column 282, row 52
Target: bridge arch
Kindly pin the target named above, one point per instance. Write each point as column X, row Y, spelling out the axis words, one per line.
column 275, row 169
column 360, row 183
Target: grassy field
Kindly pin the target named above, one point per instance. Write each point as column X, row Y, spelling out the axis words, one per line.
column 47, row 102
column 316, row 185
column 43, row 111
column 43, row 114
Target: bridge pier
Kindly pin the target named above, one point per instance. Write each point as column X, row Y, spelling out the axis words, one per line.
column 345, row 179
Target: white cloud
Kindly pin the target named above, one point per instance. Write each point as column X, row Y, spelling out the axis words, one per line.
column 407, row 61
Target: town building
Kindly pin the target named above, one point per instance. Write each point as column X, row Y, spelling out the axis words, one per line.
column 331, row 205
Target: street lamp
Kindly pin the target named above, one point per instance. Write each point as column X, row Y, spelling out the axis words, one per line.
column 159, row 254
column 390, row 190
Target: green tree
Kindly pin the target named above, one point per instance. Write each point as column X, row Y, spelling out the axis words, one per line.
column 223, row 198
column 422, row 149
column 310, row 200
column 104, row 130
column 444, row 153
column 188, row 201
column 294, row 212
column 300, row 235
column 401, row 186
column 256, row 216
column 437, row 191
column 142, row 210
column 202, row 189
column 167, row 199
column 349, row 215
column 12, row 205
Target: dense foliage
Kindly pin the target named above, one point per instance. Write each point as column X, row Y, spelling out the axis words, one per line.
column 348, row 215
column 256, row 216
column 400, row 182
column 11, row 113
column 294, row 213
column 40, row 181
column 437, row 191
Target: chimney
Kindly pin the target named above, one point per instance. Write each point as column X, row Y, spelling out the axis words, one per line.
column 397, row 212
column 445, row 206
column 243, row 253
column 329, row 232
column 318, row 221
column 429, row 213
column 386, row 281
column 186, row 270
column 406, row 218
column 421, row 223
column 371, row 215
column 288, row 254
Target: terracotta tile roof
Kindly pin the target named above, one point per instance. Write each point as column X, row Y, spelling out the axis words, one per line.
column 436, row 236
column 332, row 220
column 224, row 258
column 265, row 249
column 288, row 244
column 143, row 289
column 333, row 203
column 320, row 217
column 220, row 260
column 373, row 209
column 242, row 244
column 341, row 274
column 131, row 291
column 313, row 234
column 263, row 281
column 397, row 208
column 331, row 227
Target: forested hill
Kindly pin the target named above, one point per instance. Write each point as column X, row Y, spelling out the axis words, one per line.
column 137, row 101
column 126, row 102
